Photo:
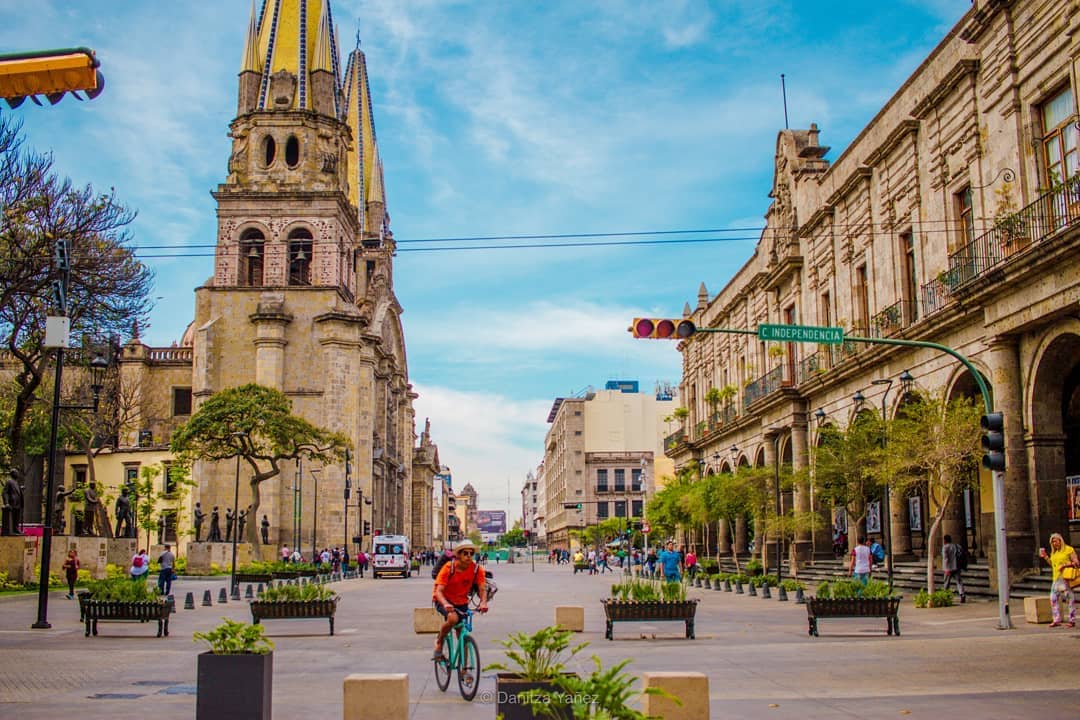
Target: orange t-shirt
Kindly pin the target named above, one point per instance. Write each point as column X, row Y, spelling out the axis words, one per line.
column 456, row 584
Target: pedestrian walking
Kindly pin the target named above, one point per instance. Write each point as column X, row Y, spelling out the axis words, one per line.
column 952, row 558
column 166, row 574
column 671, row 563
column 140, row 565
column 71, row 571
column 862, row 562
column 1063, row 561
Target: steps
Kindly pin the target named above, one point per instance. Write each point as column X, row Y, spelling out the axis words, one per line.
column 911, row 577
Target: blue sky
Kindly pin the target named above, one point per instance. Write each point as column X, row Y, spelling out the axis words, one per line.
column 494, row 119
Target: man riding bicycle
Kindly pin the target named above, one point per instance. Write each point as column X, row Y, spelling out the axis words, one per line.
column 452, row 586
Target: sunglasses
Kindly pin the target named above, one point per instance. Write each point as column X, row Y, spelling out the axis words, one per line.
column 466, row 553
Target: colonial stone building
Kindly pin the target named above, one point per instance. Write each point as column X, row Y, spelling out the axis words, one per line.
column 953, row 217
column 302, row 296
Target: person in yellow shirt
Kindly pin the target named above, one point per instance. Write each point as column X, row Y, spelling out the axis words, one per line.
column 1061, row 556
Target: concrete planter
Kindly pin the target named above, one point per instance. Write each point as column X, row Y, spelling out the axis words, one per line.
column 650, row 611
column 234, row 687
column 509, row 707
column 294, row 610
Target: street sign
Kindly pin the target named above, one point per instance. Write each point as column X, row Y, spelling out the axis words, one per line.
column 645, row 527
column 801, row 333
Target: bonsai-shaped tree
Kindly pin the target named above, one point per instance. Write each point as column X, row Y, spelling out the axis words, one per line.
column 848, row 467
column 681, row 413
column 934, row 445
column 712, row 396
column 270, row 433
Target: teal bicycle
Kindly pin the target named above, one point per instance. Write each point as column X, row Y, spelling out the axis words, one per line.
column 460, row 653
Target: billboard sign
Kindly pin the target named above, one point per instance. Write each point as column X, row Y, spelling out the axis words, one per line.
column 491, row 521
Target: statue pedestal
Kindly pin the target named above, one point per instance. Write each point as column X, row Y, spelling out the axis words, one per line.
column 202, row 554
column 119, row 551
column 18, row 555
column 93, row 554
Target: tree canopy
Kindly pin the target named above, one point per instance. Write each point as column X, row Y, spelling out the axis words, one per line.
column 255, row 423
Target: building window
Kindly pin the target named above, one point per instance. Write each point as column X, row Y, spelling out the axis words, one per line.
column 635, row 508
column 577, row 432
column 181, row 401
column 620, row 508
column 168, row 480
column 167, row 529
column 862, row 301
column 620, row 480
column 602, row 511
column 635, row 480
column 269, row 150
column 601, row 481
column 292, row 151
column 79, row 475
column 965, row 218
column 1059, row 137
column 300, row 257
column 251, row 257
column 910, row 287
column 131, row 474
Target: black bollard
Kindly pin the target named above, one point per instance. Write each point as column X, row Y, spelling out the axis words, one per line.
column 259, row 590
column 250, row 592
column 765, row 592
column 781, row 594
column 221, row 597
column 207, row 601
column 752, row 590
column 799, row 599
column 727, row 585
column 234, row 594
column 717, row 586
column 189, row 601
column 738, row 587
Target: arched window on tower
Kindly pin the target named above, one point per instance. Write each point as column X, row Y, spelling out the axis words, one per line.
column 251, row 257
column 300, row 257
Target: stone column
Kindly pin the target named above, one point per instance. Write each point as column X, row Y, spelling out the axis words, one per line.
column 723, row 537
column 899, row 529
column 740, row 535
column 771, row 459
column 1004, row 363
column 270, row 322
column 800, row 460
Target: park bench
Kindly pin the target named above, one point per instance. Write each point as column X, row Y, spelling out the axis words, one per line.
column 888, row 608
column 94, row 611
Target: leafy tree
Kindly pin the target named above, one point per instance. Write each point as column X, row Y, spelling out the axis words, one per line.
column 272, row 434
column 476, row 538
column 147, row 500
column 109, row 288
column 934, row 446
column 515, row 537
column 847, row 466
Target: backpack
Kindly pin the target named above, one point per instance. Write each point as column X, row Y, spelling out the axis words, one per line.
column 438, row 565
column 878, row 552
column 961, row 556
column 137, row 561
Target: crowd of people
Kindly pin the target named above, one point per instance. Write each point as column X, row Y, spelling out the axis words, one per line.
column 597, row 561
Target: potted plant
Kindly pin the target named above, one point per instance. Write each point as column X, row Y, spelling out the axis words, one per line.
column 641, row 600
column 603, row 694
column 120, row 599
column 235, row 676
column 290, row 602
column 535, row 662
column 850, row 598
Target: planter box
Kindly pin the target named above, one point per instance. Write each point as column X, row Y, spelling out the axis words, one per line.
column 294, row 610
column 285, row 574
column 234, row 687
column 651, row 611
column 887, row 608
column 114, row 611
column 509, row 707
column 254, row 577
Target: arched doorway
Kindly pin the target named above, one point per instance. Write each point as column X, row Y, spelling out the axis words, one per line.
column 972, row 513
column 1055, row 438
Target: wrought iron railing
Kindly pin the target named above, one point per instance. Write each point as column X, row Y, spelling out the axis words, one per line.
column 811, row 366
column 936, row 294
column 1049, row 214
column 673, row 439
column 767, row 384
column 843, row 351
column 893, row 319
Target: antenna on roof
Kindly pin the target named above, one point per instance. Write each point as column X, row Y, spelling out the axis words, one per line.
column 783, row 91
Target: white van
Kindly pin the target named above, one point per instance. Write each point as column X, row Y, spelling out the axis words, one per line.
column 390, row 556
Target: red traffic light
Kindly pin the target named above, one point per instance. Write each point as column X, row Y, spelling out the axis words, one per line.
column 662, row 328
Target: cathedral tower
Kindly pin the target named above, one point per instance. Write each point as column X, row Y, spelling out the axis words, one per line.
column 302, row 293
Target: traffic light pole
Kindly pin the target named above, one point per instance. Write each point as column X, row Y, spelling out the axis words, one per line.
column 1001, row 564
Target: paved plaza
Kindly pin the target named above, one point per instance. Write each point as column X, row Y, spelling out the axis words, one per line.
column 949, row 662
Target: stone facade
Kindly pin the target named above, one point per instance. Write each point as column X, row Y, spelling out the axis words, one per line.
column 945, row 220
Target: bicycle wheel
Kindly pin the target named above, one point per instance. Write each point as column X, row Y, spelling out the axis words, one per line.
column 469, row 669
column 442, row 669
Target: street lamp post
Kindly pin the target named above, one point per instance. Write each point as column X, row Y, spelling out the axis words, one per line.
column 347, row 494
column 238, row 436
column 886, row 513
column 779, row 533
column 97, row 371
column 315, row 516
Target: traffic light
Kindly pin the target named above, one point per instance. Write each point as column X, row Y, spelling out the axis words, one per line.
column 993, row 441
column 662, row 328
column 50, row 73
column 367, row 527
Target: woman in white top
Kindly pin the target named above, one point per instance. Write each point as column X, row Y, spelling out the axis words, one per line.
column 861, row 561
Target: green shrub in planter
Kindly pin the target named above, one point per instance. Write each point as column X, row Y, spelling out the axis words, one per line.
column 792, row 585
column 310, row 591
column 602, row 694
column 123, row 589
column 848, row 588
column 754, row 567
column 709, row 566
column 938, row 598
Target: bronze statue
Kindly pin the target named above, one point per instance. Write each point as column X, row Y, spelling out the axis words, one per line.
column 13, row 505
column 241, row 521
column 215, row 526
column 230, row 521
column 125, row 528
column 200, row 516
column 95, row 519
column 60, row 510
column 265, row 527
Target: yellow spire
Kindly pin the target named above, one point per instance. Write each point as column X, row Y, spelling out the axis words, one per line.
column 295, row 36
column 251, row 45
column 364, row 153
column 323, row 57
